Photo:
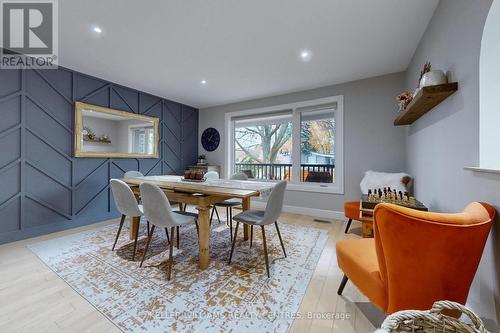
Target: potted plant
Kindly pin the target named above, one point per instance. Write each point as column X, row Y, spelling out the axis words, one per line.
column 202, row 160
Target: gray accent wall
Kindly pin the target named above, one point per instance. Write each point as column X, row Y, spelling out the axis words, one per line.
column 444, row 141
column 42, row 187
column 370, row 139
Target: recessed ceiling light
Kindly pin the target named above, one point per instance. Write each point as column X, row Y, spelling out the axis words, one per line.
column 97, row 29
column 203, row 82
column 306, row 55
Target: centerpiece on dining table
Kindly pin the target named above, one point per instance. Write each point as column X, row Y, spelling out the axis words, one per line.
column 196, row 176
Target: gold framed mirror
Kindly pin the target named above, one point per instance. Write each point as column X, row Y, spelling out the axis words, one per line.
column 103, row 133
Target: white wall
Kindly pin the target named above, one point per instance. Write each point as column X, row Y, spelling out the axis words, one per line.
column 489, row 89
column 370, row 139
column 101, row 127
column 445, row 140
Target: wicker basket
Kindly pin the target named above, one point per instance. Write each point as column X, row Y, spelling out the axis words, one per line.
column 433, row 320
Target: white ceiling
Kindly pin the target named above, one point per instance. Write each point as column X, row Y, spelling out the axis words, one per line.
column 244, row 48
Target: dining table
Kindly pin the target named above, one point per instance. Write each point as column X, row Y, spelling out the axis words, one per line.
column 203, row 195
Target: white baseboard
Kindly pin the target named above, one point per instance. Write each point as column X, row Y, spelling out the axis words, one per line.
column 322, row 213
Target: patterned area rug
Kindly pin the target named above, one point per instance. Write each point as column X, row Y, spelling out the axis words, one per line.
column 235, row 298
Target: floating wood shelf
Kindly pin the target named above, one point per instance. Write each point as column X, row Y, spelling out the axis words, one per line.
column 424, row 101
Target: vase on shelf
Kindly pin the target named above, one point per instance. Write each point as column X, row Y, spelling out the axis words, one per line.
column 433, row 78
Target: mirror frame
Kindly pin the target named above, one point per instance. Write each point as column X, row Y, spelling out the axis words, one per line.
column 78, row 136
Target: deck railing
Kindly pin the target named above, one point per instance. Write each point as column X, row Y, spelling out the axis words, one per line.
column 323, row 173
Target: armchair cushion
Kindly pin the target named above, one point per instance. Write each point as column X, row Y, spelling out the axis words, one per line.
column 357, row 258
column 351, row 210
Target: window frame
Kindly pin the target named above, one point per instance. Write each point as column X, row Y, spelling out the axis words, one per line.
column 297, row 108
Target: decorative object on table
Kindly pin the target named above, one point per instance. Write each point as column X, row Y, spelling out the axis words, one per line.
column 433, row 320
column 210, row 139
column 193, row 175
column 433, row 78
column 404, row 99
column 202, row 160
column 427, row 67
column 88, row 133
column 205, row 168
column 374, row 179
column 386, row 195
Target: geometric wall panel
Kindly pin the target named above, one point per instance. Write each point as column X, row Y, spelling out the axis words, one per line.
column 11, row 112
column 10, row 147
column 54, row 133
column 10, row 82
column 11, row 215
column 42, row 187
column 53, row 193
column 10, row 180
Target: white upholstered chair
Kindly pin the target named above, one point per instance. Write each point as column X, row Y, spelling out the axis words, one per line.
column 229, row 204
column 133, row 174
column 158, row 212
column 261, row 218
column 127, row 205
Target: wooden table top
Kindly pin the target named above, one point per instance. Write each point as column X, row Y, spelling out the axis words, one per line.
column 229, row 188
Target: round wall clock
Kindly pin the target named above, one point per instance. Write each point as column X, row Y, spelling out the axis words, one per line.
column 210, row 139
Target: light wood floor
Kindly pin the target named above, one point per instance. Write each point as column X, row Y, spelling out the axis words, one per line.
column 35, row 299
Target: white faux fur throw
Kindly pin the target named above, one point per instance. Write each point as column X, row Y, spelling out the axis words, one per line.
column 374, row 180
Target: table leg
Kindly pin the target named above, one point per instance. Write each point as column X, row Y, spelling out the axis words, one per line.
column 134, row 226
column 246, row 227
column 367, row 228
column 204, row 236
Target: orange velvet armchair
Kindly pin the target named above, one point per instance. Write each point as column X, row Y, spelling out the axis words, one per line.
column 416, row 258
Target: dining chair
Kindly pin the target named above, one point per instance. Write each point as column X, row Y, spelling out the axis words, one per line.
column 211, row 175
column 127, row 205
column 158, row 211
column 133, row 174
column 229, row 204
column 261, row 218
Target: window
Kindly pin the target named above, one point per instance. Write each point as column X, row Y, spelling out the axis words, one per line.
column 142, row 140
column 317, row 145
column 263, row 146
column 300, row 143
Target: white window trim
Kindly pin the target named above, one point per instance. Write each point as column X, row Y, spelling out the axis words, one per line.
column 335, row 188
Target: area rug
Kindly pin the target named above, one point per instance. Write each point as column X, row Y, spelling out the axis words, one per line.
column 224, row 298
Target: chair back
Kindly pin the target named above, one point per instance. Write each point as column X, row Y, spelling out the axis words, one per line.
column 133, row 174
column 125, row 200
column 426, row 257
column 156, row 206
column 239, row 176
column 374, row 180
column 212, row 175
column 274, row 205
